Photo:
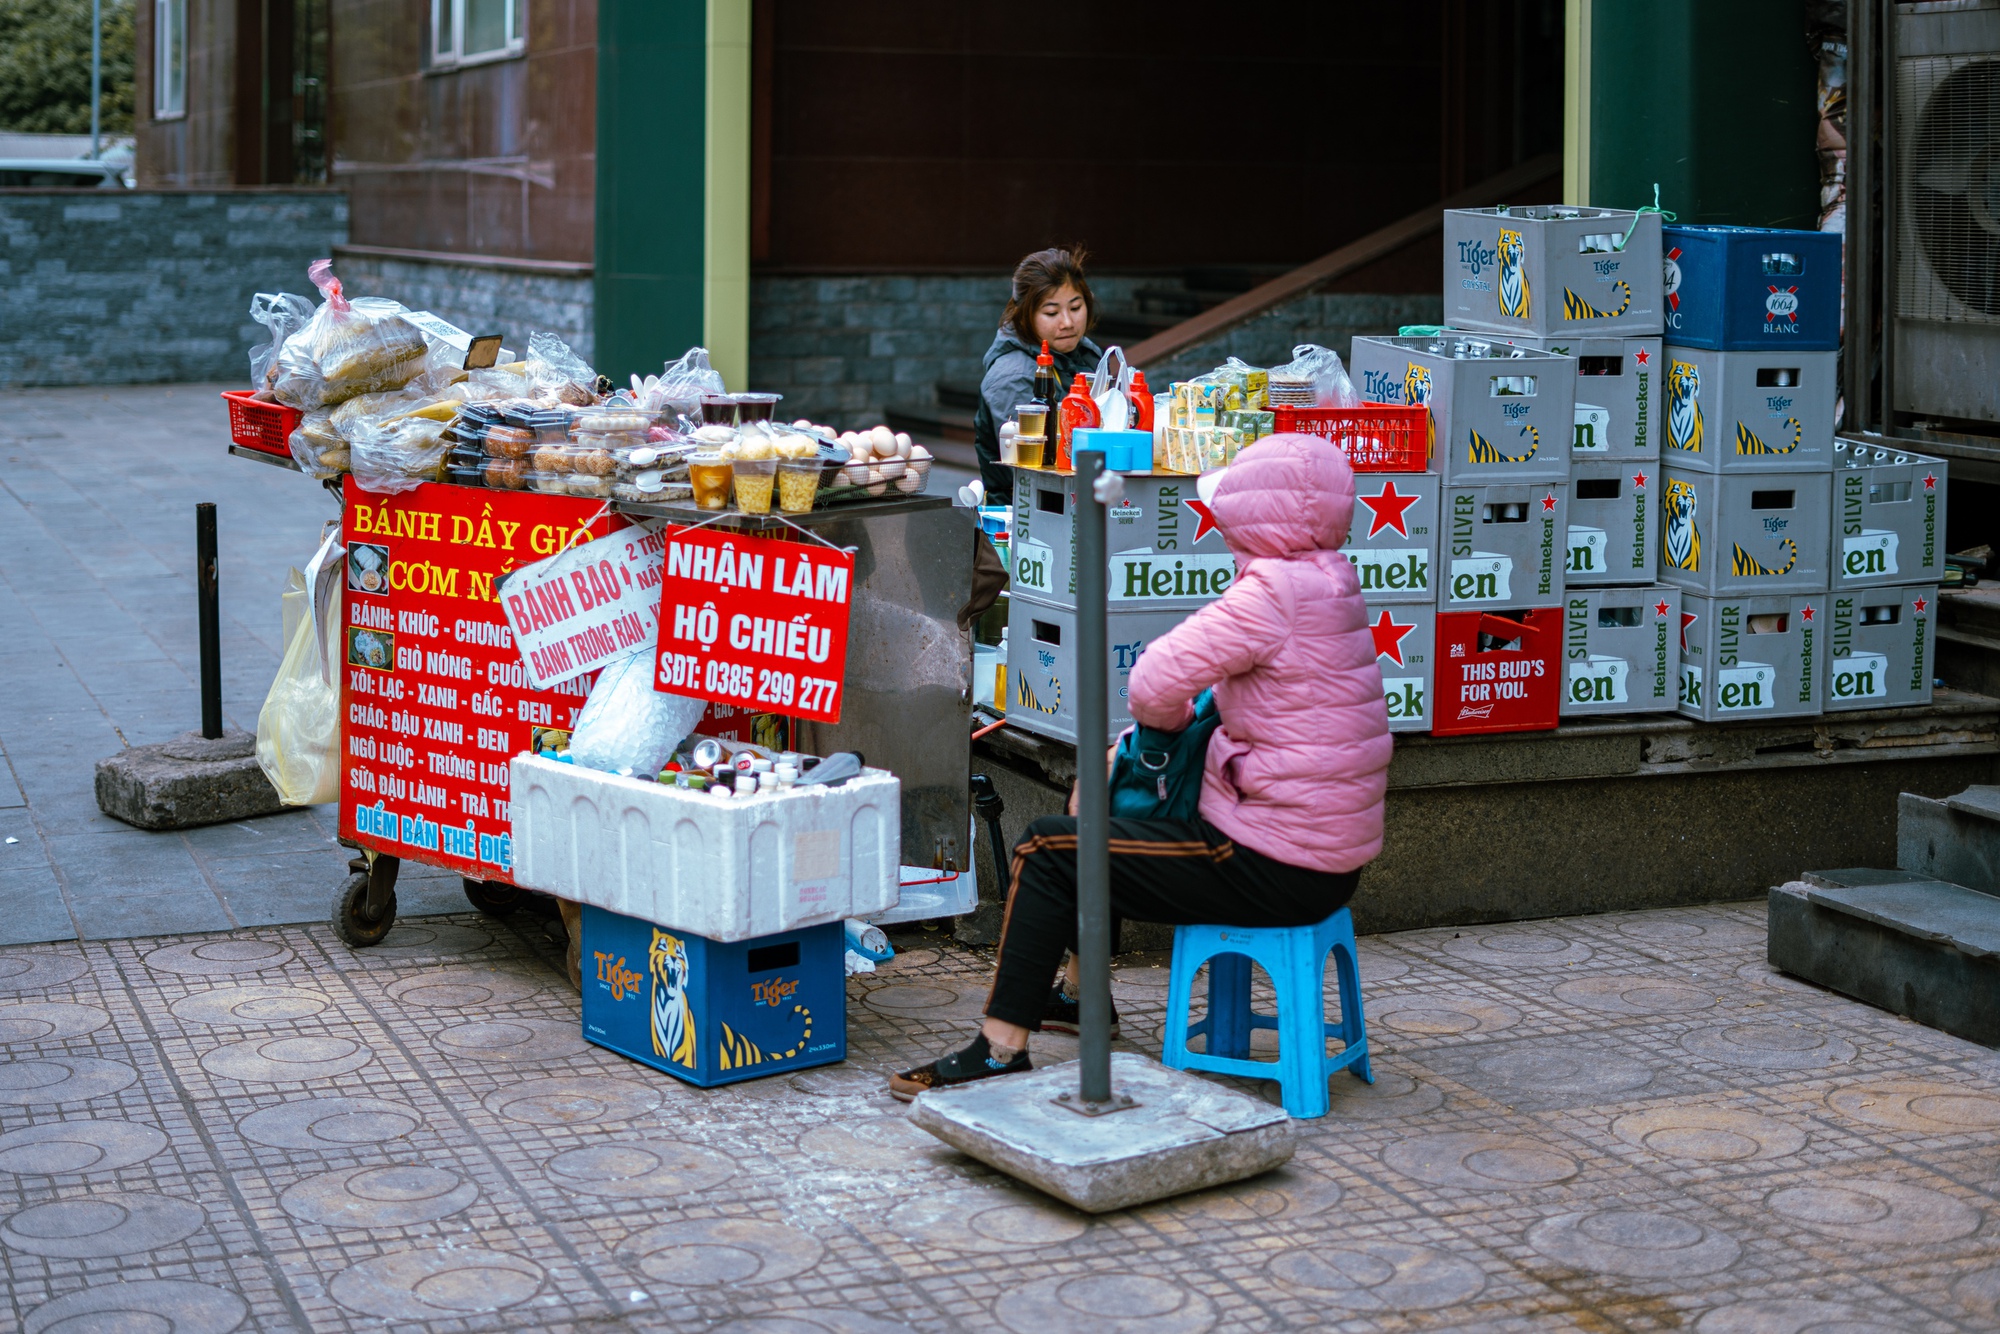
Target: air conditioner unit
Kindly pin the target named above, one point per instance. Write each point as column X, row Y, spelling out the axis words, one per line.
column 1945, row 218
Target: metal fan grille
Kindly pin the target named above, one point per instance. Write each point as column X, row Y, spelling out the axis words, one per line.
column 1948, row 248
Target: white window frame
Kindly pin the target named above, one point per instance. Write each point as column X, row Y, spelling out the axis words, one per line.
column 447, row 30
column 170, row 83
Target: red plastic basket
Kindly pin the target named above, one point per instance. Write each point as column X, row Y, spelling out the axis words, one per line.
column 1376, row 437
column 261, row 426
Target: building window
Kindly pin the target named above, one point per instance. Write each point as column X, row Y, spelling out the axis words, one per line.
column 169, row 58
column 467, row 31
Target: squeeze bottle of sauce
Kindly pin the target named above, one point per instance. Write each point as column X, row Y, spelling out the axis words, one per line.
column 1142, row 403
column 1078, row 409
column 1048, row 392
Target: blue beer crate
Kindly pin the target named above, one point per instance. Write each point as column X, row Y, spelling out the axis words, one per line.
column 712, row 1012
column 1739, row 289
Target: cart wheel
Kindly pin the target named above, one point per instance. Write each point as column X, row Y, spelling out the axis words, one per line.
column 493, row 897
column 350, row 913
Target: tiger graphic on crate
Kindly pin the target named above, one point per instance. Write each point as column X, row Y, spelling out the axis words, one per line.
column 1749, row 442
column 1515, row 297
column 1684, row 406
column 1576, row 308
column 1746, row 566
column 1681, row 542
column 1417, row 393
column 1480, row 450
column 673, row 1021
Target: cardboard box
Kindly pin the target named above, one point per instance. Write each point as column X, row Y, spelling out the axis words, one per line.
column 1041, row 662
column 1406, row 651
column 1611, row 521
column 1502, row 545
column 1393, row 539
column 1888, row 516
column 1553, row 269
column 1763, row 411
column 1737, row 288
column 1163, row 551
column 1882, row 649
column 1753, row 656
column 1618, row 393
column 1500, row 412
column 711, row 1012
column 1498, row 671
column 1732, row 534
column 1621, row 650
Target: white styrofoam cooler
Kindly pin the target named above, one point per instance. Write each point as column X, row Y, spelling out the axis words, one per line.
column 729, row 869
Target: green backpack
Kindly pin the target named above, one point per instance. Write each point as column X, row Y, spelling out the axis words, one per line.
column 1156, row 775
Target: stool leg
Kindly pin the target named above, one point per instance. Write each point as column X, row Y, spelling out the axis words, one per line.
column 1301, row 1029
column 1353, row 1025
column 1229, row 1006
column 1180, row 985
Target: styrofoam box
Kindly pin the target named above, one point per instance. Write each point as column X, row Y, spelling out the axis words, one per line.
column 728, row 869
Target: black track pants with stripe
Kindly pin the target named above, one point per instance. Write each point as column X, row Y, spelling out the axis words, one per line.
column 1172, row 871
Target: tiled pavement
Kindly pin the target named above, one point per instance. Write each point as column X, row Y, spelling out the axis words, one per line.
column 1610, row 1123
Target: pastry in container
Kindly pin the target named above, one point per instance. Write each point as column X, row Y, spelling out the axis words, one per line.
column 509, row 442
column 507, row 474
column 709, row 476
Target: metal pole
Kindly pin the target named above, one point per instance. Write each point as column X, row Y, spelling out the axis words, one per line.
column 211, row 620
column 1093, row 804
column 96, row 68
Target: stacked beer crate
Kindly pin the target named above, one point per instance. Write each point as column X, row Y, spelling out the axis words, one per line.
column 1809, row 565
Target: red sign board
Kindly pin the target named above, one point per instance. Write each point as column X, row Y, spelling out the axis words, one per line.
column 1497, row 671
column 754, row 622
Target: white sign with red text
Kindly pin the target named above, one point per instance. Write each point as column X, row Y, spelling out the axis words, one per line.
column 579, row 609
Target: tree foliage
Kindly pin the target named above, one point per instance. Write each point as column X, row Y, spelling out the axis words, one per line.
column 45, row 66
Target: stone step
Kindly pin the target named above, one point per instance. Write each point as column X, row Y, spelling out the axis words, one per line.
column 1956, row 839
column 1909, row 944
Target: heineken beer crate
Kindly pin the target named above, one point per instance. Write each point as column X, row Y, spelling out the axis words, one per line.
column 1393, row 540
column 1499, row 412
column 1752, row 656
column 1405, row 649
column 1888, row 516
column 1621, row 650
column 1498, row 671
column 1552, row 270
column 1617, row 394
column 1738, row 288
column 1611, row 522
column 1041, row 662
column 1882, row 647
column 1164, row 551
column 1501, row 545
column 1737, row 533
column 1764, row 411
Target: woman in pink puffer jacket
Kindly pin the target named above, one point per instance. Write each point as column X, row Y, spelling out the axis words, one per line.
column 1291, row 802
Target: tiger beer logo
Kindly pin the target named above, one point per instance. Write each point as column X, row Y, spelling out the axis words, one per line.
column 1684, row 406
column 1576, row 308
column 1749, row 442
column 1515, row 298
column 614, row 974
column 776, row 991
column 1417, row 393
column 1479, row 450
column 1683, row 537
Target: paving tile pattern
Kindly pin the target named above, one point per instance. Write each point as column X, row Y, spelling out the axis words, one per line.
column 1610, row 1123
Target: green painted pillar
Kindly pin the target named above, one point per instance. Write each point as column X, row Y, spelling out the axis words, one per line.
column 1712, row 99
column 673, row 141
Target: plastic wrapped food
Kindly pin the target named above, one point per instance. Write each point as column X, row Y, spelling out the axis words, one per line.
column 558, row 373
column 347, row 348
column 284, row 315
column 1319, row 367
column 317, row 448
column 395, row 456
column 626, row 726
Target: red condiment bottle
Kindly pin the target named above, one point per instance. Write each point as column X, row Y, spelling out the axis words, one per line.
column 1142, row 403
column 1078, row 409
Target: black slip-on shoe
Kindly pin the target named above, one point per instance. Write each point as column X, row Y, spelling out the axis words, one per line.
column 1060, row 1014
column 972, row 1062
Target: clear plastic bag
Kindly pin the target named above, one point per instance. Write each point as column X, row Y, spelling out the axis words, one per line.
column 1322, row 368
column 556, row 372
column 317, row 448
column 284, row 315
column 347, row 348
column 395, row 455
column 298, row 729
column 626, row 726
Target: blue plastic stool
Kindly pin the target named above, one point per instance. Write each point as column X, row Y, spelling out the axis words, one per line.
column 1295, row 957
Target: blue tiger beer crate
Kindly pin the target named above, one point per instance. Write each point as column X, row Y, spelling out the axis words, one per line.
column 713, row 1012
column 1740, row 289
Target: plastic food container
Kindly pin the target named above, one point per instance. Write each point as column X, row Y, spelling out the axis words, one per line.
column 754, row 481
column 509, row 442
column 755, row 407
column 718, row 409
column 798, row 484
column 710, row 476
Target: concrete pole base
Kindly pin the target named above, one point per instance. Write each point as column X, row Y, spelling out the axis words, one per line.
column 186, row 782
column 1184, row 1134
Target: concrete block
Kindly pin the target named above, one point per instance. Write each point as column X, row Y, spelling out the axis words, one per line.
column 1953, row 839
column 186, row 782
column 1184, row 1133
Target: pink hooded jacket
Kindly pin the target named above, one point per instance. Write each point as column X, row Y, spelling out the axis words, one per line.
column 1299, row 766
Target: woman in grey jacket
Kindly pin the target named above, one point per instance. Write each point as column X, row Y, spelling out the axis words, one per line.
column 1051, row 302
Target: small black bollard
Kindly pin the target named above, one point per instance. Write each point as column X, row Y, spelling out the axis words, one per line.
column 211, row 620
column 987, row 804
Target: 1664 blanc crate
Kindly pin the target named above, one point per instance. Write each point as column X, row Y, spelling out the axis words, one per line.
column 1498, row 671
column 1621, row 650
column 1757, row 656
column 1884, row 648
column 1617, row 394
column 1552, row 270
column 1164, row 550
column 1763, row 411
column 1502, row 545
column 1729, row 534
column 1405, row 649
column 1738, row 288
column 1888, row 516
column 1393, row 539
column 1501, row 412
column 1611, row 512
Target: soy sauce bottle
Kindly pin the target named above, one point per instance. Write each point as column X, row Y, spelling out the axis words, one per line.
column 1048, row 392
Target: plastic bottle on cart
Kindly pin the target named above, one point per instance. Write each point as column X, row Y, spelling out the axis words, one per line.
column 1142, row 403
column 1078, row 410
column 1048, row 392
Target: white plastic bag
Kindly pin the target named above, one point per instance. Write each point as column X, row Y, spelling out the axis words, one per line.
column 298, row 729
column 626, row 726
column 1322, row 366
column 1112, row 394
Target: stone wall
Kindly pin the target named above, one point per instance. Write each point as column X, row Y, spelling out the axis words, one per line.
column 489, row 296
column 144, row 286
